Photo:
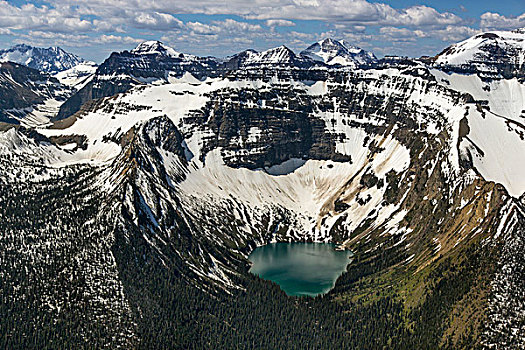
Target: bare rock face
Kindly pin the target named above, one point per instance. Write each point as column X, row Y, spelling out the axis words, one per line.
column 282, row 133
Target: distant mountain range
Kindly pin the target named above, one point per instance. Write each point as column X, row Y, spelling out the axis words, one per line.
column 329, row 52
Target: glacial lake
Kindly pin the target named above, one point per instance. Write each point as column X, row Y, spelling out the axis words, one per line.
column 300, row 269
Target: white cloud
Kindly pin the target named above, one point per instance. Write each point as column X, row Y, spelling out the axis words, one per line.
column 232, row 25
column 304, row 36
column 31, row 17
column 393, row 34
column 41, row 35
column 111, row 39
column 44, row 39
column 279, row 23
column 156, row 21
column 116, row 15
column 359, row 11
column 228, row 26
column 201, row 28
column 424, row 16
column 396, row 32
column 491, row 20
column 453, row 33
column 448, row 34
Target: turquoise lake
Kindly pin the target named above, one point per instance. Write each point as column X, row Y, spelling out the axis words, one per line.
column 300, row 269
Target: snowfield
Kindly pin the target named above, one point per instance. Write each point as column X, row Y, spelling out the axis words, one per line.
column 496, row 135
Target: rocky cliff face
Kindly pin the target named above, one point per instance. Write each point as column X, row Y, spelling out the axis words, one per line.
column 154, row 61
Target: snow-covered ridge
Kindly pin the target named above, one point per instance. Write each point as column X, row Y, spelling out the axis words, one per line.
column 496, row 137
column 49, row 60
column 489, row 47
column 331, row 52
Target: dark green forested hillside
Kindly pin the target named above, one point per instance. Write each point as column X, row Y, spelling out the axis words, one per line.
column 166, row 311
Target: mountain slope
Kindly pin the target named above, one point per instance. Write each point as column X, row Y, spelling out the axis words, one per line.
column 279, row 56
column 148, row 62
column 158, row 48
column 77, row 76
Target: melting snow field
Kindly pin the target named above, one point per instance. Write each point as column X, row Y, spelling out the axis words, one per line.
column 497, row 133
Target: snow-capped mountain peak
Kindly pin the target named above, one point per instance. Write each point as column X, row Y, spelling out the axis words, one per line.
column 155, row 48
column 49, row 60
column 277, row 55
column 331, row 52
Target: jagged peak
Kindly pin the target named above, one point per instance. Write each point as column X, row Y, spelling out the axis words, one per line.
column 25, row 47
column 353, row 48
column 280, row 48
column 21, row 47
column 328, row 42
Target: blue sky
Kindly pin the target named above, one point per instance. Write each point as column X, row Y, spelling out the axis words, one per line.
column 95, row 28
